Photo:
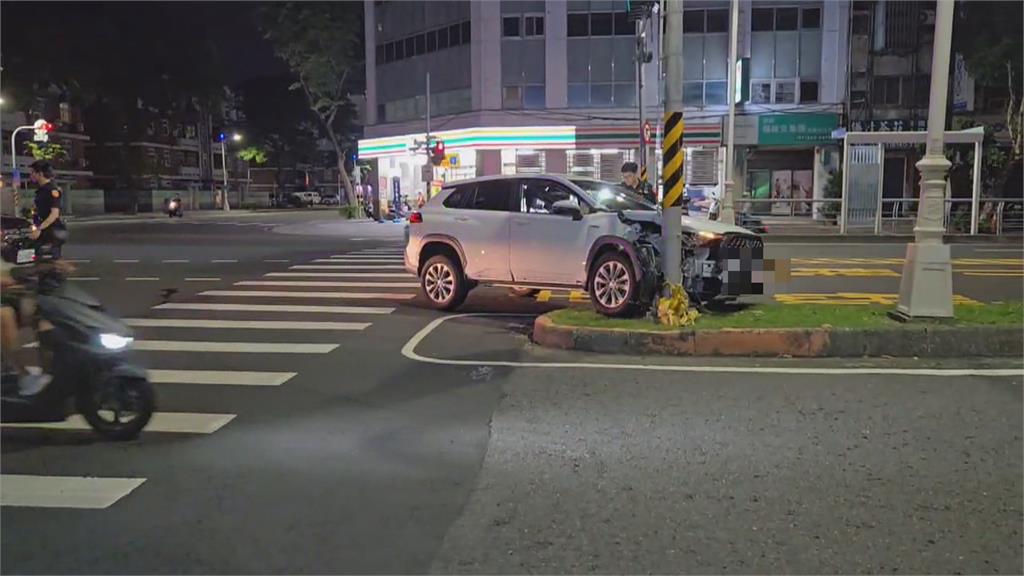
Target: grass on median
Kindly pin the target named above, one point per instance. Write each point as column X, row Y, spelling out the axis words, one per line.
column 801, row 316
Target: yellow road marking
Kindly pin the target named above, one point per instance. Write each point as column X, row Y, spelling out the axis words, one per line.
column 998, row 273
column 854, row 299
column 1018, row 262
column 844, row 272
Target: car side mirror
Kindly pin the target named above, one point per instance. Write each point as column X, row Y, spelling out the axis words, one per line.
column 567, row 208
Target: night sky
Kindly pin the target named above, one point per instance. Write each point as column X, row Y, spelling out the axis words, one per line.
column 230, row 24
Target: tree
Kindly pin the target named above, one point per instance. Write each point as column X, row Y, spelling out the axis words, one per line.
column 988, row 35
column 279, row 121
column 253, row 155
column 320, row 42
column 50, row 151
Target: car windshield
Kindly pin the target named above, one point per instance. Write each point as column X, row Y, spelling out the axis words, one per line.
column 612, row 197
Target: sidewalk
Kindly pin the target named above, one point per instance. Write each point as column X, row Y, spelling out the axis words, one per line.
column 193, row 214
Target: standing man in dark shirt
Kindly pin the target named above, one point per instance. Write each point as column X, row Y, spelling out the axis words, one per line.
column 631, row 180
column 49, row 228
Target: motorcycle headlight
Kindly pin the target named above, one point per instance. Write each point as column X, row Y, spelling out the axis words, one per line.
column 115, row 341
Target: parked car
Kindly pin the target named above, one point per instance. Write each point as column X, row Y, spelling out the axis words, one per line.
column 552, row 231
column 14, row 237
column 306, row 198
column 329, row 199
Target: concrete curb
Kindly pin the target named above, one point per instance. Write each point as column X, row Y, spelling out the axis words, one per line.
column 903, row 342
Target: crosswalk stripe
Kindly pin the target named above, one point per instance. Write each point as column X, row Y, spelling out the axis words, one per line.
column 241, row 347
column 328, row 284
column 388, row 252
column 307, row 275
column 384, row 257
column 211, row 306
column 126, row 261
column 220, row 377
column 83, row 278
column 347, row 267
column 357, row 260
column 142, row 279
column 202, row 279
column 283, row 294
column 64, row 491
column 359, row 284
column 242, row 324
column 170, row 422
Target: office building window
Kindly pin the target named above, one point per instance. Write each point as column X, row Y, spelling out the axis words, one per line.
column 533, row 26
column 529, row 26
column 430, row 41
column 785, row 53
column 580, row 24
column 705, row 57
column 510, row 26
column 886, row 90
column 601, row 72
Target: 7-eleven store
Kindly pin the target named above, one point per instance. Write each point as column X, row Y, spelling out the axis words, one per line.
column 596, row 151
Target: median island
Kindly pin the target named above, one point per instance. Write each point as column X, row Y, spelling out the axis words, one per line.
column 798, row 330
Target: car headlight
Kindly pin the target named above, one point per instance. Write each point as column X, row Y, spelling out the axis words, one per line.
column 115, row 341
column 707, row 237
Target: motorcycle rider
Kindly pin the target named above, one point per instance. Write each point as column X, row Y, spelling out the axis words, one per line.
column 13, row 310
column 49, row 229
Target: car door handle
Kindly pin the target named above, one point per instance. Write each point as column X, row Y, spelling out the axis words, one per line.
column 461, row 219
column 521, row 223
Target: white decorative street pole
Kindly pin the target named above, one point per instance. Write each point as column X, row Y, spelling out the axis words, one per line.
column 926, row 288
column 726, row 213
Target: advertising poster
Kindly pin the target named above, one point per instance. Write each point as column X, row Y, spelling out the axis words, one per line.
column 782, row 189
column 803, row 188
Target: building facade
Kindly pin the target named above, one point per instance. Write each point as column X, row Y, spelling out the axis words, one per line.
column 521, row 86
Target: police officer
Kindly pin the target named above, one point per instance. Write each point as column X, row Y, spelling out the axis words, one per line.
column 49, row 228
column 633, row 182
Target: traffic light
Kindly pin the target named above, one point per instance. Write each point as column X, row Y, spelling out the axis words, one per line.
column 437, row 153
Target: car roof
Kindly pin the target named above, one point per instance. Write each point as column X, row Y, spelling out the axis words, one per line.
column 550, row 176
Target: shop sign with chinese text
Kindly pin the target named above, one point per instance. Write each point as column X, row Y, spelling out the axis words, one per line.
column 796, row 129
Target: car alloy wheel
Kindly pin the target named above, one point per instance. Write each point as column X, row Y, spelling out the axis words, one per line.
column 439, row 282
column 612, row 284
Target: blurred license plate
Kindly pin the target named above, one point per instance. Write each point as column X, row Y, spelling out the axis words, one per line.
column 25, row 256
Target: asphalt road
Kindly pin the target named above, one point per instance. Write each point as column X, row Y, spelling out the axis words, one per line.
column 399, row 440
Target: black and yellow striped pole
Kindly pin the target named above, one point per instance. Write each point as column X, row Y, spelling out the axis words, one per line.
column 672, row 159
column 672, row 146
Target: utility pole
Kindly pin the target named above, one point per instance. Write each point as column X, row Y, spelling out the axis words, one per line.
column 727, row 213
column 926, row 288
column 672, row 146
column 641, row 51
column 224, row 166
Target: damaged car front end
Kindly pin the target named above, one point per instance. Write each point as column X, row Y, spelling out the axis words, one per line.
column 719, row 261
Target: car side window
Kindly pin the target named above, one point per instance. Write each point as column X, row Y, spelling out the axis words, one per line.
column 457, row 199
column 539, row 196
column 491, row 195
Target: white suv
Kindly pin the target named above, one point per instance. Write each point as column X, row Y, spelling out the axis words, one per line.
column 551, row 231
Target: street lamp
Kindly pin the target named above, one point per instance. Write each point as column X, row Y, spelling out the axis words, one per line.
column 926, row 287
column 236, row 137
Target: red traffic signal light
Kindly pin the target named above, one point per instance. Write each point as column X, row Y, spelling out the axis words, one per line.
column 437, row 153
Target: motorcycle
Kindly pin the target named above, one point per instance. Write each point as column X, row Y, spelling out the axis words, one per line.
column 174, row 208
column 84, row 354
